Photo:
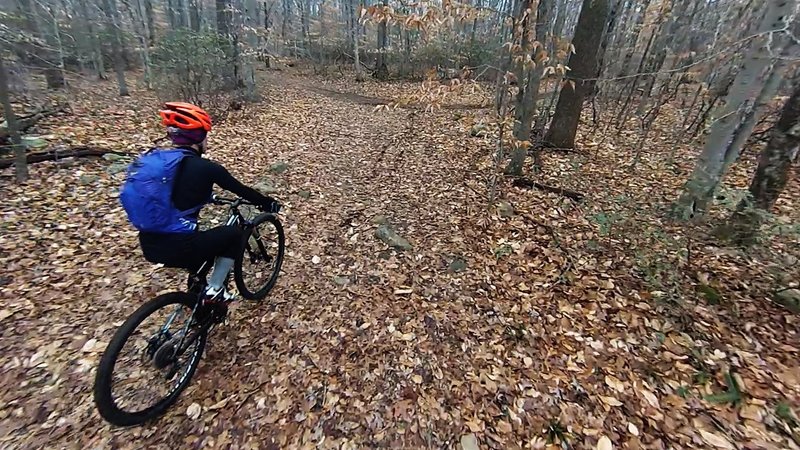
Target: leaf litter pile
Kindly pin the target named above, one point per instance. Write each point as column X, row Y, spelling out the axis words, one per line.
column 542, row 323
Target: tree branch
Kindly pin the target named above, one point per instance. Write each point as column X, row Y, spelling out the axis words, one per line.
column 55, row 155
column 25, row 122
column 526, row 183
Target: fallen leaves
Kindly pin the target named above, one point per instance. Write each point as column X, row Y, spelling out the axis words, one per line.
column 651, row 398
column 615, row 383
column 611, row 401
column 194, row 410
column 604, row 443
column 5, row 314
column 469, row 442
column 541, row 326
column 716, row 440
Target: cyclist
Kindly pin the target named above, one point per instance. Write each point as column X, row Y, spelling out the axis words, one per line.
column 170, row 235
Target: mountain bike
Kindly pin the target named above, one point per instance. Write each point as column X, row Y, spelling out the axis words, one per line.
column 173, row 349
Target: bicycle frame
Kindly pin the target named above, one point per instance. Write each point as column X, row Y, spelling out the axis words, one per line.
column 199, row 276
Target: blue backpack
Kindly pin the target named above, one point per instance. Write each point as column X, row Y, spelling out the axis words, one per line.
column 146, row 195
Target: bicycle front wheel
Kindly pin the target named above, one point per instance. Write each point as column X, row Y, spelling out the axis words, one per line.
column 149, row 361
column 256, row 269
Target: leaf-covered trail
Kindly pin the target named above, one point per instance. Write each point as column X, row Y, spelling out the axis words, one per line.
column 361, row 345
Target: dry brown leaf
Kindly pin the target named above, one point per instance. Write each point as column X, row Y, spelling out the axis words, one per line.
column 469, row 442
column 528, row 361
column 651, row 398
column 473, row 426
column 752, row 412
column 716, row 440
column 503, row 427
column 615, row 383
column 194, row 410
column 219, row 405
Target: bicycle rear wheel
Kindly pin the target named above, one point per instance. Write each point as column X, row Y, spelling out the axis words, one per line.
column 256, row 269
column 155, row 349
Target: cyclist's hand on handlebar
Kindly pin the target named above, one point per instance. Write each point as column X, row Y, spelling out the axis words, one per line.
column 271, row 207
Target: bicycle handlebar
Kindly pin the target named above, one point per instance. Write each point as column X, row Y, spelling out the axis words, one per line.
column 237, row 202
column 217, row 200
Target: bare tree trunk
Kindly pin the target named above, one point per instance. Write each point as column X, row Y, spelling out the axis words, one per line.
column 250, row 19
column 148, row 77
column 185, row 17
column 529, row 79
column 151, row 28
column 47, row 58
column 355, row 38
column 381, row 69
column 588, row 36
column 97, row 50
column 622, row 116
column 224, row 17
column 773, row 169
column 172, row 18
column 196, row 15
column 225, row 28
column 634, row 38
column 112, row 15
column 287, row 13
column 140, row 23
column 20, row 163
column 722, row 146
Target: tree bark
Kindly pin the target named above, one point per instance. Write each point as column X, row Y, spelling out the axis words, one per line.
column 140, row 24
column 723, row 143
column 381, row 69
column 172, row 18
column 355, row 38
column 185, row 16
column 250, row 21
column 772, row 173
column 529, row 79
column 20, row 164
column 224, row 17
column 47, row 58
column 287, row 14
column 579, row 83
column 195, row 15
column 112, row 16
column 151, row 28
column 776, row 159
column 97, row 49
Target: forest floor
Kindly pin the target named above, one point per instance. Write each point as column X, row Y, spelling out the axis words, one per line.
column 592, row 324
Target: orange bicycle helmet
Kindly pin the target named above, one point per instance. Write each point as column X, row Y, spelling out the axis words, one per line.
column 185, row 116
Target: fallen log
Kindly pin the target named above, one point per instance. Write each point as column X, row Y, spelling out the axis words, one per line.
column 526, row 183
column 25, row 122
column 55, row 155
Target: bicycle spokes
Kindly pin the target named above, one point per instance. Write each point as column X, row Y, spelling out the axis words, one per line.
column 163, row 356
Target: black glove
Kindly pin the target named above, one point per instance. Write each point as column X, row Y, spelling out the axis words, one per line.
column 272, row 206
